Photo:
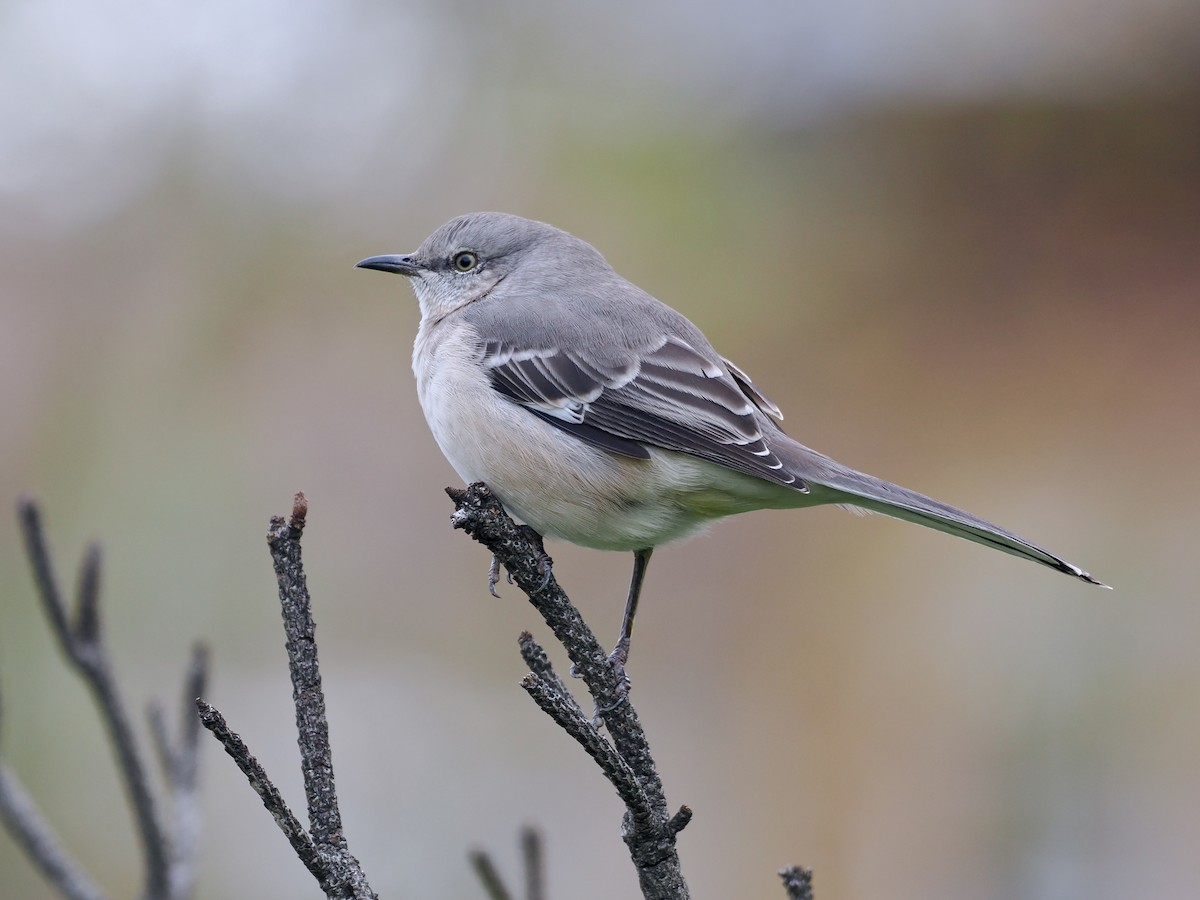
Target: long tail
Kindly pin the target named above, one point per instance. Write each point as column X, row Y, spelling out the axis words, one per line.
column 868, row 492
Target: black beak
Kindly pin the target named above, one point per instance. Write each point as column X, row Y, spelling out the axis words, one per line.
column 392, row 262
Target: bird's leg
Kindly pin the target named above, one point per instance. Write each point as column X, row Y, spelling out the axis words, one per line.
column 620, row 654
column 545, row 563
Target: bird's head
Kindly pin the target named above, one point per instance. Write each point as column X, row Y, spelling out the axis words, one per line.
column 465, row 259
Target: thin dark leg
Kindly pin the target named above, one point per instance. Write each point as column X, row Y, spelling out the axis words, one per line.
column 620, row 654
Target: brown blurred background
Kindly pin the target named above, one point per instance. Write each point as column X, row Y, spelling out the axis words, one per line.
column 958, row 243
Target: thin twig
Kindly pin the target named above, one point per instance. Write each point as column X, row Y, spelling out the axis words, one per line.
column 82, row 643
column 480, row 513
column 180, row 762
column 531, row 863
column 489, row 876
column 323, row 850
column 539, row 664
column 301, row 843
column 316, row 756
column 535, row 870
column 34, row 835
column 580, row 727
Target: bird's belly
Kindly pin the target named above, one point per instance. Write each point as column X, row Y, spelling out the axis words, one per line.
column 557, row 484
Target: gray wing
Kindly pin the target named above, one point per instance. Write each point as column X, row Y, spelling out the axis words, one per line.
column 672, row 396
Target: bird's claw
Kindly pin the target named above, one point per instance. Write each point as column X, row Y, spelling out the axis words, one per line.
column 616, row 660
column 545, row 567
column 494, row 576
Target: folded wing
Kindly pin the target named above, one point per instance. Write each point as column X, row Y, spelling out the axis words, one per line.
column 672, row 396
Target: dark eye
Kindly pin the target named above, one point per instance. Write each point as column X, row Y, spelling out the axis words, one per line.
column 464, row 261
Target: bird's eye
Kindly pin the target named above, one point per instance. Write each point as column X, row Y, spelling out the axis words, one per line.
column 464, row 261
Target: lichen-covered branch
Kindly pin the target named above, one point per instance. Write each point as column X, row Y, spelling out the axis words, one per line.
column 323, row 850
column 624, row 758
column 797, row 882
column 301, row 843
column 648, row 828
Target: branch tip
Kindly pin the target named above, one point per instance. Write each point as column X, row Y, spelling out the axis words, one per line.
column 299, row 513
column 680, row 820
column 493, row 885
column 197, row 673
column 797, row 881
column 276, row 529
column 535, row 656
column 87, row 609
column 195, row 683
column 531, row 853
column 29, row 516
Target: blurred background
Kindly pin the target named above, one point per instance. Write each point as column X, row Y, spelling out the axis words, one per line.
column 957, row 242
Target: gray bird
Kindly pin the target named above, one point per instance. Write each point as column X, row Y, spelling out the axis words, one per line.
column 600, row 415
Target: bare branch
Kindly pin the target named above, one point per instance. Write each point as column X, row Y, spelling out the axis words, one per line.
column 30, row 520
column 580, row 727
column 170, row 864
column 648, row 830
column 679, row 821
column 531, row 854
column 539, row 664
column 489, row 876
column 35, row 836
column 87, row 606
column 315, row 753
column 84, row 647
column 531, row 862
column 324, row 850
column 301, row 843
column 180, row 762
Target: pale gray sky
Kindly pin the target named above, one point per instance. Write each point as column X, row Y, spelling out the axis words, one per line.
column 296, row 96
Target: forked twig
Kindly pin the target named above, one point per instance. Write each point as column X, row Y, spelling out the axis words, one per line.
column 323, row 849
column 648, row 829
column 170, row 853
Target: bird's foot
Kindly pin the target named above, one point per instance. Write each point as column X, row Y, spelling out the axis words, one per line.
column 494, row 576
column 545, row 565
column 616, row 661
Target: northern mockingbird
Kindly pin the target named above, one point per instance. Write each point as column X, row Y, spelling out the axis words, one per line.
column 599, row 415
